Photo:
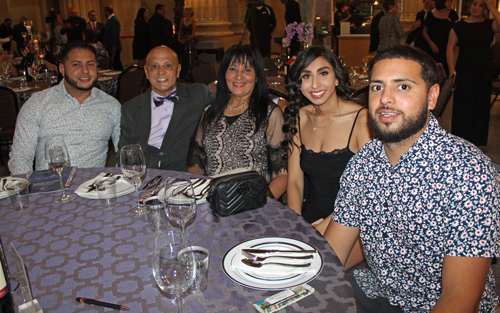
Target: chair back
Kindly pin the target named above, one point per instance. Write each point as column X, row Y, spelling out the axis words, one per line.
column 103, row 62
column 9, row 109
column 447, row 89
column 130, row 83
column 361, row 96
column 203, row 72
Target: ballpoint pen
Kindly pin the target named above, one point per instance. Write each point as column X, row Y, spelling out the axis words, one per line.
column 104, row 304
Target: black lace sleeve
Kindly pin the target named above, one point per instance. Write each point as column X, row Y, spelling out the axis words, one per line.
column 197, row 155
column 277, row 154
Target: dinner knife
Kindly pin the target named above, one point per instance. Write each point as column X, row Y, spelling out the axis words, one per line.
column 277, row 251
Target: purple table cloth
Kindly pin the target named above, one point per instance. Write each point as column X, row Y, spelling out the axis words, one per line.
column 81, row 249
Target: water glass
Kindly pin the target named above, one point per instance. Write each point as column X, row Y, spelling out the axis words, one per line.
column 106, row 190
column 155, row 216
column 53, row 79
column 201, row 256
column 19, row 194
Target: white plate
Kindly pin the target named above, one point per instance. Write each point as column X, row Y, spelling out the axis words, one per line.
column 287, row 277
column 101, row 79
column 5, row 193
column 123, row 187
column 198, row 188
column 112, row 73
column 103, row 71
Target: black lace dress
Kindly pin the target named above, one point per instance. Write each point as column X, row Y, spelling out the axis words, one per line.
column 231, row 143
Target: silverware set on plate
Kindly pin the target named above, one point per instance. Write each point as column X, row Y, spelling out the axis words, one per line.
column 93, row 187
column 259, row 261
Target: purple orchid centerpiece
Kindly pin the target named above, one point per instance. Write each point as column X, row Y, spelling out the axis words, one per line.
column 303, row 31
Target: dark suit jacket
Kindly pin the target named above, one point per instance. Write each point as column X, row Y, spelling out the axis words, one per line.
column 76, row 31
column 416, row 34
column 111, row 35
column 18, row 29
column 292, row 12
column 160, row 31
column 136, row 126
column 374, row 32
column 99, row 26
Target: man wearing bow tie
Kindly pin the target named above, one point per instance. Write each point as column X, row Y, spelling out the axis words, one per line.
column 163, row 119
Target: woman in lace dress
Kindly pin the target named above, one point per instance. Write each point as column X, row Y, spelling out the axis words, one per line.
column 324, row 128
column 242, row 129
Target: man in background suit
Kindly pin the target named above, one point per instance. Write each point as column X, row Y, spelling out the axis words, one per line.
column 416, row 35
column 95, row 26
column 292, row 14
column 164, row 119
column 6, row 32
column 111, row 39
column 374, row 32
column 160, row 28
column 18, row 31
column 74, row 25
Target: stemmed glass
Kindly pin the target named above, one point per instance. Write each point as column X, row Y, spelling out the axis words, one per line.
column 133, row 166
column 278, row 64
column 35, row 73
column 174, row 264
column 180, row 202
column 57, row 158
column 6, row 74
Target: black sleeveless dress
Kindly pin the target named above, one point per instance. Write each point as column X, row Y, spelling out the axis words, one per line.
column 323, row 171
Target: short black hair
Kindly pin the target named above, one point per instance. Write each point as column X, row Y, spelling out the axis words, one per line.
column 430, row 70
column 387, row 3
column 159, row 6
column 91, row 12
column 340, row 5
column 79, row 44
column 109, row 9
column 7, row 20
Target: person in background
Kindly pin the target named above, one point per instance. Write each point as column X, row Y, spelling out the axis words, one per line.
column 374, row 31
column 160, row 28
column 18, row 31
column 424, row 203
column 292, row 14
column 261, row 22
column 111, row 39
column 438, row 25
column 242, row 129
column 6, row 32
column 416, row 34
column 324, row 129
column 356, row 18
column 340, row 15
column 84, row 116
column 95, row 26
column 58, row 36
column 471, row 100
column 185, row 37
column 164, row 119
column 141, row 43
column 74, row 25
column 390, row 28
column 90, row 38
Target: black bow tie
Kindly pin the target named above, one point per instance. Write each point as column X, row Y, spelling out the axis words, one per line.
column 172, row 97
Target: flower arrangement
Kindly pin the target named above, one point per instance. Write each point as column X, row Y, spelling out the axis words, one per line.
column 303, row 31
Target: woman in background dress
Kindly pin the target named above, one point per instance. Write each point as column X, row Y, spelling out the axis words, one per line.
column 471, row 101
column 89, row 37
column 185, row 36
column 390, row 28
column 242, row 129
column 140, row 44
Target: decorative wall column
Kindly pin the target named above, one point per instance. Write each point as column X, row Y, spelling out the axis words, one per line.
column 308, row 9
column 211, row 17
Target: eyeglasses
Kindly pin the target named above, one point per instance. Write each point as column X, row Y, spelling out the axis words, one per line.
column 152, row 183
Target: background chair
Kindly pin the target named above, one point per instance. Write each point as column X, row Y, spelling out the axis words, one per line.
column 9, row 109
column 447, row 89
column 130, row 83
column 104, row 63
column 203, row 72
column 361, row 96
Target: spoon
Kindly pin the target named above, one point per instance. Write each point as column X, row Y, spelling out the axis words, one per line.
column 253, row 263
column 262, row 258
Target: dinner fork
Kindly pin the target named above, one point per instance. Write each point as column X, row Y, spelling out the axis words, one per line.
column 253, row 263
column 262, row 258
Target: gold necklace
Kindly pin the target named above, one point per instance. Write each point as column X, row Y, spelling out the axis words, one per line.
column 316, row 127
column 234, row 109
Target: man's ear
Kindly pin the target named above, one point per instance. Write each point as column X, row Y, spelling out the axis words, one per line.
column 61, row 69
column 433, row 96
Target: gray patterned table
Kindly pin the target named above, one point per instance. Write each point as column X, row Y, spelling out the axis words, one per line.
column 83, row 250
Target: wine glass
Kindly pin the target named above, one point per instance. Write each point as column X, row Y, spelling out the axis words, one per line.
column 133, row 166
column 174, row 264
column 278, row 64
column 6, row 74
column 35, row 73
column 57, row 158
column 180, row 202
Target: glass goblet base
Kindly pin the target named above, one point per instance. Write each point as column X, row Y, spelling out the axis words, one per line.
column 138, row 210
column 64, row 198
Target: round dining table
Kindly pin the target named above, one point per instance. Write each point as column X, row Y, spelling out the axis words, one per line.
column 82, row 249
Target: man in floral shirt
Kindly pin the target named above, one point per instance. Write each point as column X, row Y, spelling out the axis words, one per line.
column 425, row 203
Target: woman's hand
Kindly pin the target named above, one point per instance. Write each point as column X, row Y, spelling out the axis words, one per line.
column 415, row 25
column 434, row 48
column 490, row 4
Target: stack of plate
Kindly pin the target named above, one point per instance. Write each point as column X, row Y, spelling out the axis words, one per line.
column 271, row 277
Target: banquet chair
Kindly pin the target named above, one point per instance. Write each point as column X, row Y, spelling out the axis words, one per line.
column 495, row 90
column 203, row 72
column 130, row 83
column 9, row 109
column 361, row 96
column 103, row 62
column 447, row 89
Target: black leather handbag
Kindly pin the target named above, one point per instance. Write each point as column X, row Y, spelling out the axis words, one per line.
column 236, row 193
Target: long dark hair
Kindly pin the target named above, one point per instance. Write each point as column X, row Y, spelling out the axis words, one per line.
column 259, row 99
column 140, row 15
column 297, row 99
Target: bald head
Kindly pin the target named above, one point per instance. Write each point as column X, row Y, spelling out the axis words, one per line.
column 162, row 69
column 72, row 12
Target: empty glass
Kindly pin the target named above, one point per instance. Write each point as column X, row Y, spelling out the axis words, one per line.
column 57, row 158
column 133, row 166
column 180, row 202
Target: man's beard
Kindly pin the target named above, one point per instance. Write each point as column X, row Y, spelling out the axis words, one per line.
column 74, row 83
column 410, row 126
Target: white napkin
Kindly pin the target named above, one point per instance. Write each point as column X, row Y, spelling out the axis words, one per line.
column 271, row 269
